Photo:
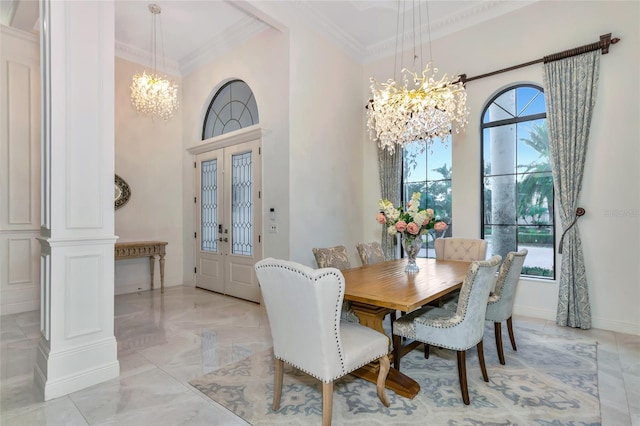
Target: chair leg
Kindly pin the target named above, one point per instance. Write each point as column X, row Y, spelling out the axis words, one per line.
column 480, row 348
column 511, row 336
column 397, row 344
column 383, row 371
column 497, row 326
column 426, row 351
column 462, row 376
column 277, row 385
column 327, row 403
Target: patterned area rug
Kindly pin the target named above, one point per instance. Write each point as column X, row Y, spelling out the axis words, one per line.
column 549, row 381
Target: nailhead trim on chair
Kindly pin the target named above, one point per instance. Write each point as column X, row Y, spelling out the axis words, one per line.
column 406, row 325
column 329, row 271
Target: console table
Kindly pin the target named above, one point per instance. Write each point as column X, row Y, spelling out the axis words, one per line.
column 149, row 249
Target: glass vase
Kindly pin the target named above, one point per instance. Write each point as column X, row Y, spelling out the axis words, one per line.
column 412, row 245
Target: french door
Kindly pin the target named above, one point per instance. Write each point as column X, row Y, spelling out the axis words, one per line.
column 229, row 220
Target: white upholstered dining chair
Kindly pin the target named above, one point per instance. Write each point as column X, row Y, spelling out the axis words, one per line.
column 500, row 304
column 457, row 330
column 303, row 306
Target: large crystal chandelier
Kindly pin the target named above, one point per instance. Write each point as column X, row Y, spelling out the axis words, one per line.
column 152, row 94
column 421, row 108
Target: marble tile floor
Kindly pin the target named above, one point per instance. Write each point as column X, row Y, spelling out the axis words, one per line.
column 166, row 340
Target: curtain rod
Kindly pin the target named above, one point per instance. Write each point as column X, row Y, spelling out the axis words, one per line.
column 603, row 44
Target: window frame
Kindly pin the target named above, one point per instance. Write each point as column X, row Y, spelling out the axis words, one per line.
column 516, row 120
column 404, row 193
column 212, row 114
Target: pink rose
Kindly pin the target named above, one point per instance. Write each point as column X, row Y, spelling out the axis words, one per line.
column 381, row 218
column 401, row 226
column 413, row 228
column 440, row 226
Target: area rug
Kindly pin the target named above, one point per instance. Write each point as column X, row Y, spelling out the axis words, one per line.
column 550, row 380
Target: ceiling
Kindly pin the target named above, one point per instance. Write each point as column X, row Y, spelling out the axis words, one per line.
column 196, row 31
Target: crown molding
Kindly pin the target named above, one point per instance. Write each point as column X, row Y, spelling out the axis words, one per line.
column 476, row 13
column 242, row 31
column 21, row 34
column 329, row 30
column 143, row 57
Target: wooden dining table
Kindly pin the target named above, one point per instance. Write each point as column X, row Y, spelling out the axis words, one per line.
column 377, row 289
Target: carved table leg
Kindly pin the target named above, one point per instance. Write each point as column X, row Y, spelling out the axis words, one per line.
column 372, row 316
column 161, row 261
column 152, row 260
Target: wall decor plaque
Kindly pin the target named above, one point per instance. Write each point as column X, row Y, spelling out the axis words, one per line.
column 122, row 192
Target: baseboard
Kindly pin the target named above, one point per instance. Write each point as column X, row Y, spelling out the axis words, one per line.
column 16, row 308
column 132, row 288
column 599, row 323
column 49, row 365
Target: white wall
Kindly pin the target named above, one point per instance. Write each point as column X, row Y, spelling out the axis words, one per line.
column 148, row 156
column 610, row 230
column 262, row 64
column 326, row 165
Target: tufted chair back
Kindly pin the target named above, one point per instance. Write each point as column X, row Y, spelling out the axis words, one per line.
column 370, row 253
column 468, row 249
column 303, row 306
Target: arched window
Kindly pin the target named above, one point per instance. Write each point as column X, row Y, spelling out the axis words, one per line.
column 233, row 107
column 517, row 186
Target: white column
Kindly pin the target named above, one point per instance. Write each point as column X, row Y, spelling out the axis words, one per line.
column 77, row 346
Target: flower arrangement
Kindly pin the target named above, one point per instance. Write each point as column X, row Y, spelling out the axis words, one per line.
column 410, row 222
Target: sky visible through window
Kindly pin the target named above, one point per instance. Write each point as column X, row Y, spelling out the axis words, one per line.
column 438, row 154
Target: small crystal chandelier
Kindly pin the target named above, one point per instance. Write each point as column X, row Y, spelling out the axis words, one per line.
column 151, row 94
column 429, row 109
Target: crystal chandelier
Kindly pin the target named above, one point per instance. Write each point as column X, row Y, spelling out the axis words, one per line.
column 422, row 108
column 151, row 94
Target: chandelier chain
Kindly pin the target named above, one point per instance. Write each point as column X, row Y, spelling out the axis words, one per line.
column 429, row 109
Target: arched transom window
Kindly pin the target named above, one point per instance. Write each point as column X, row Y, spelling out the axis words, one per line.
column 233, row 107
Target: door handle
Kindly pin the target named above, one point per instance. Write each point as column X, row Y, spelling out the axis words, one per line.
column 225, row 239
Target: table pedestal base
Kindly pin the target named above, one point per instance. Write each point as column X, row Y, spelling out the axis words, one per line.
column 403, row 385
column 397, row 381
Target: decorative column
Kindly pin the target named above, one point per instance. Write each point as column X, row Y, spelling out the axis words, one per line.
column 77, row 346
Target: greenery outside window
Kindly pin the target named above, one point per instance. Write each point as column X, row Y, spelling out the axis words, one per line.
column 517, row 186
column 428, row 171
